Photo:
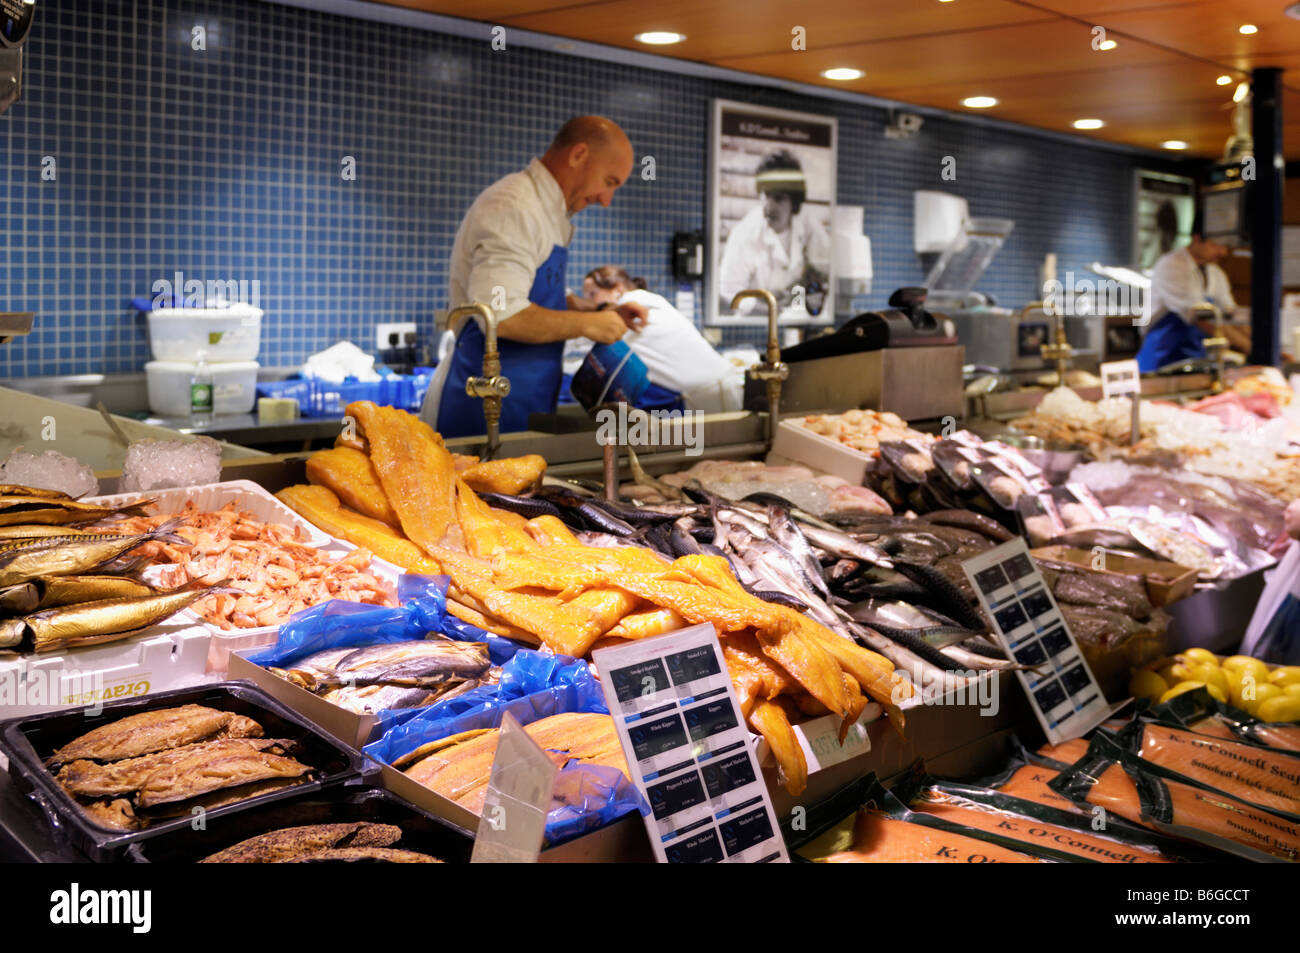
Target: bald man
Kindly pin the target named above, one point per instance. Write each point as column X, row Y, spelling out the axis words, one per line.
column 510, row 254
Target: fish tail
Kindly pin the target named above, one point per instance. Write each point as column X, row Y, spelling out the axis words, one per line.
column 166, row 532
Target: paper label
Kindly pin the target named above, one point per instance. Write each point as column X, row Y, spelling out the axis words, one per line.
column 820, row 739
column 1120, row 378
column 688, row 750
column 1029, row 626
column 513, row 823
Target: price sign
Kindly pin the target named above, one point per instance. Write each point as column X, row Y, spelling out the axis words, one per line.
column 513, row 823
column 1028, row 624
column 1120, row 379
column 688, row 749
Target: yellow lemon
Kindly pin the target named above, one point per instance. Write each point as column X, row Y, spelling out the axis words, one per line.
column 1234, row 679
column 1147, row 685
column 1285, row 675
column 1281, row 708
column 1188, row 686
column 1263, row 691
column 1245, row 663
column 1291, row 690
column 1211, row 675
column 1178, row 672
column 1199, row 656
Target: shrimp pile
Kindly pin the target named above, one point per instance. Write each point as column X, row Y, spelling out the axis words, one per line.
column 278, row 574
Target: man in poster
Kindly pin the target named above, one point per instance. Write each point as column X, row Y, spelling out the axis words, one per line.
column 779, row 245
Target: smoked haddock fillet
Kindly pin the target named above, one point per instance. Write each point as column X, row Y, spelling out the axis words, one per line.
column 350, row 475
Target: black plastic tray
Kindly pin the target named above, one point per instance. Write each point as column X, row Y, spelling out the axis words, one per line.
column 353, row 801
column 29, row 740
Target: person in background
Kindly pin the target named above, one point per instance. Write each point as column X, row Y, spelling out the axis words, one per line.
column 1182, row 280
column 677, row 356
column 510, row 254
column 779, row 243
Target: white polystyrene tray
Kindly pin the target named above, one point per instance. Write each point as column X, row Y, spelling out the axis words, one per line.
column 250, row 498
column 172, row 654
column 247, row 496
column 796, row 442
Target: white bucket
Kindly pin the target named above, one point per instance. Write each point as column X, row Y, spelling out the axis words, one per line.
column 234, row 387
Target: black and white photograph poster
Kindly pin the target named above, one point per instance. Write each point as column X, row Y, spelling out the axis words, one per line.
column 772, row 198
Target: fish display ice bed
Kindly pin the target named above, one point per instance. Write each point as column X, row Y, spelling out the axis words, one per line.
column 1028, row 624
column 27, row 742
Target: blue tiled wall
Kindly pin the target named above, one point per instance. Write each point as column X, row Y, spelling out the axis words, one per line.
column 226, row 163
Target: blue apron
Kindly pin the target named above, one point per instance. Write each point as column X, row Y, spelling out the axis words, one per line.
column 1170, row 339
column 534, row 370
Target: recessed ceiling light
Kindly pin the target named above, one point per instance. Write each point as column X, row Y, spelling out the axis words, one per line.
column 659, row 38
column 1107, row 45
column 1246, row 29
column 842, row 73
column 1241, row 92
column 1088, row 124
column 1223, row 80
column 979, row 102
column 1173, row 144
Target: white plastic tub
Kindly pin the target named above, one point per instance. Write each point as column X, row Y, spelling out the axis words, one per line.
column 227, row 334
column 234, row 387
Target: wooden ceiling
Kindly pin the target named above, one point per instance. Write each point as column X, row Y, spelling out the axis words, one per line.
column 1037, row 58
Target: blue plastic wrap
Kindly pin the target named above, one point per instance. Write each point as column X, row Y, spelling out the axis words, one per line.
column 590, row 796
column 426, row 598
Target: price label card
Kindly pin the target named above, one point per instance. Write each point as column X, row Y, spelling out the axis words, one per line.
column 513, row 823
column 1029, row 625
column 688, row 749
column 1120, row 378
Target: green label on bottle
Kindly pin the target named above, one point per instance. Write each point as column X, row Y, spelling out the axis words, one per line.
column 200, row 396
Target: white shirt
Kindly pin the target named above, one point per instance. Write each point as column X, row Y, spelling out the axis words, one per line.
column 680, row 359
column 1177, row 285
column 509, row 231
column 507, row 234
column 754, row 256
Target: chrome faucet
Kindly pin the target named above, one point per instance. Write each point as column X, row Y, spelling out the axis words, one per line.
column 491, row 388
column 1216, row 345
column 771, row 370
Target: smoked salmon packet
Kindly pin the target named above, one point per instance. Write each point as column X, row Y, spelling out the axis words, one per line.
column 1200, row 712
column 1115, row 779
column 865, row 823
column 1113, row 840
column 1264, row 777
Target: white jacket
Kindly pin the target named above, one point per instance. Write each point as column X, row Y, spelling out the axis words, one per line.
column 1177, row 285
column 680, row 359
column 754, row 256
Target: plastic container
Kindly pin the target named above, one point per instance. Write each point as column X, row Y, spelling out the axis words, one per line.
column 421, row 831
column 171, row 654
column 234, row 387
column 227, row 334
column 27, row 742
column 797, row 443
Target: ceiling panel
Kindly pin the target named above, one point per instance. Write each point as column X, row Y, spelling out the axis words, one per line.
column 1035, row 56
column 720, row 31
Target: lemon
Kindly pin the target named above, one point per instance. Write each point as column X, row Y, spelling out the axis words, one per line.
column 1285, row 675
column 1245, row 663
column 1199, row 656
column 1234, row 680
column 1291, row 690
column 1263, row 692
column 1147, row 685
column 1188, row 686
column 1178, row 672
column 1280, row 708
column 1211, row 675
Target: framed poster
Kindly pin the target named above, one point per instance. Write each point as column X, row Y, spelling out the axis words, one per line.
column 1165, row 207
column 771, row 200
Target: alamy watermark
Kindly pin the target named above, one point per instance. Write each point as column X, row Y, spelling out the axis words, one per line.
column 212, row 293
column 979, row 688
column 54, row 688
column 633, row 427
column 1082, row 297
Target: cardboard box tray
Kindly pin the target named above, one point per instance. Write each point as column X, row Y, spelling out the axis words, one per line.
column 1166, row 582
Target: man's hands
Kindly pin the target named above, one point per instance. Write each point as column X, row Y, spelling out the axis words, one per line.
column 634, row 315
column 608, row 326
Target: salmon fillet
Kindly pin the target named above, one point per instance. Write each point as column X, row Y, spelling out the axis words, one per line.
column 878, row 839
column 1030, row 784
column 1034, row 831
column 1251, row 773
column 1067, row 752
column 1204, row 810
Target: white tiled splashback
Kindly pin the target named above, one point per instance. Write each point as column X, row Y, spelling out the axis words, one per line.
column 226, row 163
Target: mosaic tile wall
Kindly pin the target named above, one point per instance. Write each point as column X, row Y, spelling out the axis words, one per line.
column 133, row 156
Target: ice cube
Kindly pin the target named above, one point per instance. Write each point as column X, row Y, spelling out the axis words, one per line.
column 159, row 464
column 50, row 470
